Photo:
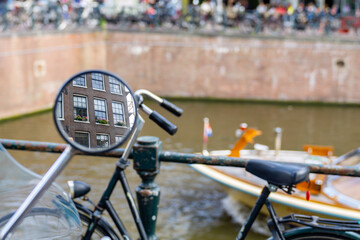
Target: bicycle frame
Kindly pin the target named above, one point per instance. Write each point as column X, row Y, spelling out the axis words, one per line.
column 263, row 199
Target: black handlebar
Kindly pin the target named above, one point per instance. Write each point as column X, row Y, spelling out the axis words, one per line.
column 163, row 123
column 171, row 107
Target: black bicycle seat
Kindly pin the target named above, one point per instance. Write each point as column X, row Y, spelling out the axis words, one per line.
column 280, row 174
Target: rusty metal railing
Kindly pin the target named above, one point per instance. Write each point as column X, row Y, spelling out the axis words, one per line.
column 147, row 158
column 175, row 157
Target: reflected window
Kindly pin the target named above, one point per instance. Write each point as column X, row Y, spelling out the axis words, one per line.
column 102, row 141
column 115, row 85
column 118, row 114
column 82, row 138
column 80, row 108
column 60, row 107
column 97, row 81
column 80, row 81
column 118, row 139
column 100, row 111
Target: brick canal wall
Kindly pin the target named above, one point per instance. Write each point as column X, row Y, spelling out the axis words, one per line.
column 33, row 67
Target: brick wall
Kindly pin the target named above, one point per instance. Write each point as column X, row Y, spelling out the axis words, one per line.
column 32, row 68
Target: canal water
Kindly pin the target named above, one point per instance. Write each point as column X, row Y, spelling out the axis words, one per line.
column 192, row 206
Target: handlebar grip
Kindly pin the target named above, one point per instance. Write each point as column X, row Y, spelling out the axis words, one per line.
column 163, row 122
column 171, row 107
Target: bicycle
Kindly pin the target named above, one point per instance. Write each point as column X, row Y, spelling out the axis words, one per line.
column 129, row 124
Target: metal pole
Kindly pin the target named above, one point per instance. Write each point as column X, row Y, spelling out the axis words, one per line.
column 38, row 191
column 278, row 133
column 147, row 164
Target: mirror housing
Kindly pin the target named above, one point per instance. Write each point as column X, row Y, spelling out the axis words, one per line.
column 95, row 111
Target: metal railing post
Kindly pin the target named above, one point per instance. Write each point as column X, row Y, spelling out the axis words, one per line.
column 146, row 162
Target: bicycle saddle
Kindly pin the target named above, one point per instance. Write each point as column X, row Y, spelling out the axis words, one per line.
column 280, row 174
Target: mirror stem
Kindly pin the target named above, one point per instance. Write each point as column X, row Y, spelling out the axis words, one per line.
column 139, row 126
column 38, row 191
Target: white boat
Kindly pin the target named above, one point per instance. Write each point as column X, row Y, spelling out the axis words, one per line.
column 331, row 196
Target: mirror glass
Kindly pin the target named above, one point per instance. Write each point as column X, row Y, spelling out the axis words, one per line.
column 95, row 111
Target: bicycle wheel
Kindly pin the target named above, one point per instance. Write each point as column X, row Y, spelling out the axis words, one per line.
column 41, row 223
column 308, row 233
column 103, row 229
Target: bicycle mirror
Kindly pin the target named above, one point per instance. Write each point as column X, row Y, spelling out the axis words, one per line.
column 95, row 111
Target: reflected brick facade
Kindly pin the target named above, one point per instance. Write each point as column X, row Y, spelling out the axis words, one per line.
column 91, row 125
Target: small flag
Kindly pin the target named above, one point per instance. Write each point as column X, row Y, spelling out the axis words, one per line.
column 207, row 130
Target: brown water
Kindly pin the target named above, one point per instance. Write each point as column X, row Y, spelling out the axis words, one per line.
column 192, row 206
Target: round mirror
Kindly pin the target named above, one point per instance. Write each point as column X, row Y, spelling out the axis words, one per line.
column 95, row 111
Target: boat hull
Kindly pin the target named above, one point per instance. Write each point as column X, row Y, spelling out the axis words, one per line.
column 284, row 204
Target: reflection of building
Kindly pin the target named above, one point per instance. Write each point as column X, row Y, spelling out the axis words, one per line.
column 93, row 110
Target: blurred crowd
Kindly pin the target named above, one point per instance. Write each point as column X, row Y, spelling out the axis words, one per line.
column 49, row 14
column 232, row 15
column 281, row 18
